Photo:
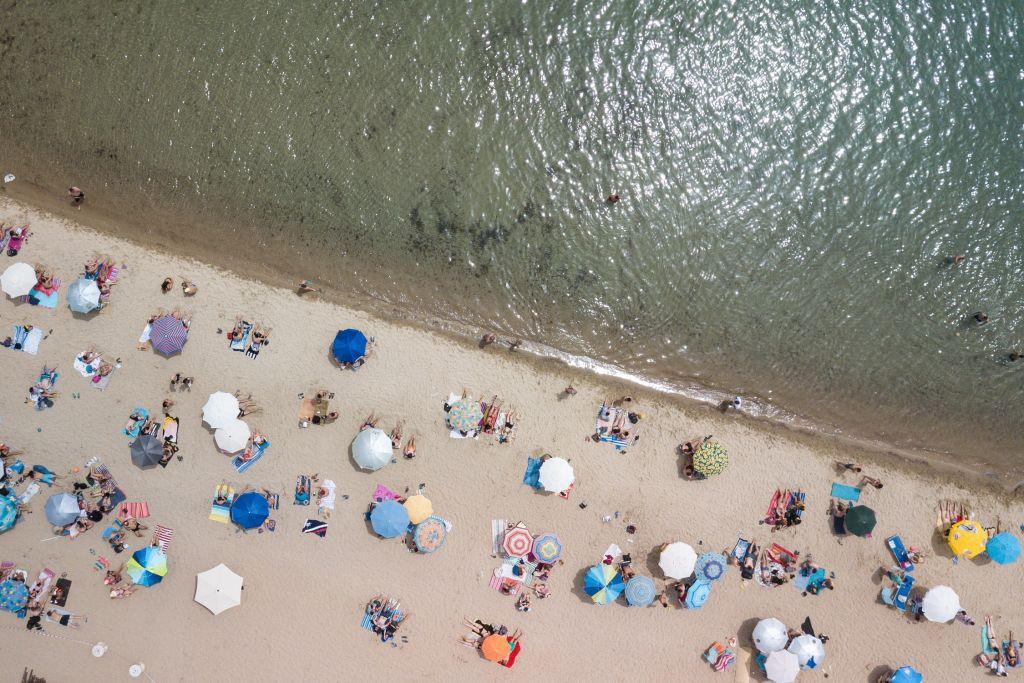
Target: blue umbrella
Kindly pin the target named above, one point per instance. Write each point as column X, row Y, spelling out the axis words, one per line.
column 603, row 583
column 710, row 566
column 147, row 566
column 62, row 509
column 389, row 519
column 13, row 595
column 697, row 594
column 640, row 591
column 1003, row 548
column 8, row 512
column 906, row 674
column 250, row 510
column 349, row 346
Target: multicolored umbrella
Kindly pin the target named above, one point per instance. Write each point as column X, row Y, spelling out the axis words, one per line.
column 860, row 520
column 603, row 583
column 389, row 519
column 13, row 595
column 518, row 542
column 83, row 295
column 146, row 451
column 147, row 566
column 465, row 415
column 710, row 458
column 1003, row 548
column 349, row 346
column 547, row 548
column 419, row 508
column 710, row 566
column 906, row 674
column 168, row 335
column 8, row 512
column 250, row 510
column 62, row 509
column 429, row 534
column 697, row 594
column 640, row 591
column 967, row 539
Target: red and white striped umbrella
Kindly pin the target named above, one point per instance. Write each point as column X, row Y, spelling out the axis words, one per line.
column 518, row 542
column 168, row 335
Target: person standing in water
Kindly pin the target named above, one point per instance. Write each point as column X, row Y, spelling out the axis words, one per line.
column 77, row 196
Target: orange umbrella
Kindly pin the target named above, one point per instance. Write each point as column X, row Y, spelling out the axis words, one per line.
column 495, row 648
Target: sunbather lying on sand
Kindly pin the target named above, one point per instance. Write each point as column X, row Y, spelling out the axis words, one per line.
column 370, row 421
column 410, row 448
column 396, row 436
column 246, row 406
column 135, row 526
column 188, row 287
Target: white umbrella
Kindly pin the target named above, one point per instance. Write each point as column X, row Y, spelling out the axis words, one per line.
column 770, row 635
column 677, row 560
column 18, row 279
column 940, row 604
column 556, row 475
column 809, row 650
column 782, row 666
column 232, row 437
column 83, row 295
column 221, row 409
column 371, row 449
column 218, row 589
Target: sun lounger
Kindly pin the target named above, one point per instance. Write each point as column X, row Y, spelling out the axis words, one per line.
column 845, row 492
column 531, row 477
column 898, row 598
column 222, row 512
column 250, row 457
column 899, row 551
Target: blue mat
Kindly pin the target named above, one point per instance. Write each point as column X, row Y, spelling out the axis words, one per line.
column 844, row 492
column 243, row 465
column 532, row 475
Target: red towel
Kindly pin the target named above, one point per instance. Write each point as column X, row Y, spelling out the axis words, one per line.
column 163, row 536
column 512, row 655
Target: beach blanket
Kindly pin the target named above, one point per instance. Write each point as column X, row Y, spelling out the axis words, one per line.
column 367, row 621
column 55, row 610
column 138, row 510
column 315, row 526
column 382, row 493
column 40, row 297
column 274, row 501
column 60, row 593
column 306, row 411
column 806, row 579
column 326, row 502
column 42, row 583
column 32, row 340
column 133, row 433
column 240, row 344
column 1014, row 646
column 606, row 417
column 531, row 477
column 221, row 512
column 87, row 369
column 170, row 429
column 739, row 551
column 984, row 641
column 846, row 492
column 250, row 457
column 302, row 498
column 29, row 493
column 162, row 536
column 498, row 527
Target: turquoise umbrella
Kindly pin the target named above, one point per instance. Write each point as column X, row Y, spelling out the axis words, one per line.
column 8, row 512
column 603, row 583
column 697, row 594
column 13, row 595
column 1003, row 548
column 147, row 566
column 640, row 591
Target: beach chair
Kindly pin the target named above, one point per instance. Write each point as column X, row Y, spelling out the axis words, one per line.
column 899, row 597
column 899, row 552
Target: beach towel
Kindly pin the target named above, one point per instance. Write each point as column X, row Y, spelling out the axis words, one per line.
column 845, row 492
column 32, row 340
column 302, row 498
column 134, row 510
column 221, row 512
column 531, row 477
column 512, row 655
column 61, row 590
column 250, row 457
column 367, row 621
column 162, row 536
column 61, row 612
column 382, row 493
column 101, row 382
column 498, row 527
column 29, row 493
column 18, row 335
column 306, row 411
column 984, row 641
column 116, row 498
column 899, row 599
column 327, row 502
column 739, row 551
column 240, row 344
column 133, row 433
column 781, row 555
column 899, row 551
column 42, row 583
column 1014, row 646
column 144, row 337
column 315, row 526
column 805, row 580
column 274, row 501
column 170, row 429
column 606, row 417
column 42, row 297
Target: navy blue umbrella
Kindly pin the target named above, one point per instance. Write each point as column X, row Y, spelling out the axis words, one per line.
column 250, row 510
column 349, row 346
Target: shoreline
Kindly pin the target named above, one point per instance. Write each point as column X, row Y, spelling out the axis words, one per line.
column 692, row 397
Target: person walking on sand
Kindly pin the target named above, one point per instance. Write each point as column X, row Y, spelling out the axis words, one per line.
column 77, row 196
column 569, row 390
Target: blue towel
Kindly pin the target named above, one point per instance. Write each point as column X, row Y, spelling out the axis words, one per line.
column 532, row 475
column 900, row 598
column 845, row 492
column 258, row 451
column 899, row 551
column 239, row 344
column 137, row 427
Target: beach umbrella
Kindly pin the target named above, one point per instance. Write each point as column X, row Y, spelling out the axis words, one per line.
column 697, row 594
column 860, row 520
column 250, row 510
column 1003, row 548
column 518, row 542
column 389, row 519
column 809, row 650
column 770, row 635
column 940, row 604
column 232, row 437
column 147, row 566
column 349, row 346
column 603, row 583
column 13, row 595
column 782, row 666
column 547, row 548
column 677, row 560
column 371, row 449
column 8, row 512
column 218, row 589
column 465, row 415
column 556, row 475
column 429, row 534
column 221, row 409
column 967, row 539
column 62, row 509
column 710, row 566
column 710, row 458
column 495, row 648
column 83, row 295
column 419, row 508
column 906, row 674
column 168, row 335
column 18, row 280
column 146, row 451
column 640, row 591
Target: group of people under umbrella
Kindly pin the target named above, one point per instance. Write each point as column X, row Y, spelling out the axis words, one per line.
column 412, row 517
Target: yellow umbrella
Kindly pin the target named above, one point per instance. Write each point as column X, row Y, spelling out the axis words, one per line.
column 967, row 539
column 419, row 508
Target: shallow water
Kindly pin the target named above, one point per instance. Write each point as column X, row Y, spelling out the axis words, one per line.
column 792, row 175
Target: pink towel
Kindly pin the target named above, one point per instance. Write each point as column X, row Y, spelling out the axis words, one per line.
column 383, row 493
column 136, row 510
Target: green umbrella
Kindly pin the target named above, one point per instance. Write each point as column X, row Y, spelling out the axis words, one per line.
column 860, row 520
column 710, row 459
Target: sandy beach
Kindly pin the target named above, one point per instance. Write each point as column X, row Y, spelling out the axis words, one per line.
column 304, row 596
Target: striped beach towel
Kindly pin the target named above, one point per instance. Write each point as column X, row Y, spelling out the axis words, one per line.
column 222, row 512
column 163, row 535
column 241, row 464
column 135, row 510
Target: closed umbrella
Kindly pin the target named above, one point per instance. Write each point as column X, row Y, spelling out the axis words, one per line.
column 710, row 566
column 1003, row 548
column 83, row 295
column 13, row 595
column 465, row 415
column 371, row 449
column 603, row 583
column 770, row 635
column 860, row 520
column 419, row 508
column 967, row 539
column 677, row 560
column 18, row 280
column 556, row 475
column 429, row 535
column 697, row 594
column 518, row 542
column 547, row 548
column 906, row 674
column 218, row 589
column 62, row 509
column 232, row 437
column 147, row 566
column 168, row 335
column 250, row 510
column 349, row 346
column 146, row 451
column 8, row 512
column 710, row 459
column 640, row 591
column 782, row 666
column 221, row 409
column 389, row 519
column 809, row 650
column 940, row 604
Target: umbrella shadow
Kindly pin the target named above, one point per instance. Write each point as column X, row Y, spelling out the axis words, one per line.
column 879, row 673
column 577, row 586
column 653, row 568
column 84, row 316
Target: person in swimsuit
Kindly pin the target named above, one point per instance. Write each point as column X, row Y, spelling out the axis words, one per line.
column 166, row 285
column 77, row 196
column 72, row 620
